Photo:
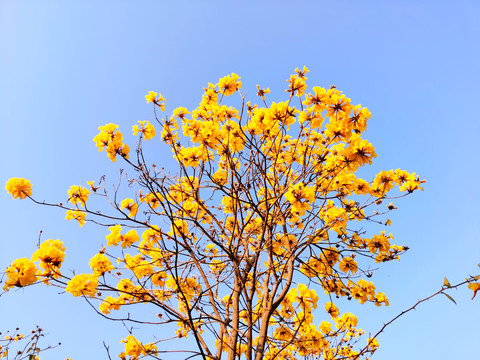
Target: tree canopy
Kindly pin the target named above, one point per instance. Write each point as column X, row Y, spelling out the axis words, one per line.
column 249, row 243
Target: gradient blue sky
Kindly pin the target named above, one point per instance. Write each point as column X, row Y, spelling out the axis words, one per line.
column 67, row 67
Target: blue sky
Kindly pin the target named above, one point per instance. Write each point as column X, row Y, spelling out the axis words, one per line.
column 68, row 67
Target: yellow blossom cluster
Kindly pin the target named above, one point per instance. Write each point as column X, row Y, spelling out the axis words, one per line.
column 152, row 199
column 110, row 138
column 83, row 285
column 138, row 265
column 146, row 129
column 157, row 99
column 100, row 264
column 19, row 188
column 77, row 215
column 114, row 238
column 300, row 197
column 22, row 272
column 135, row 349
column 229, row 84
column 78, row 195
column 131, row 206
column 51, row 254
column 303, row 337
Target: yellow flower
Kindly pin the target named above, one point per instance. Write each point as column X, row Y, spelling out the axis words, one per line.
column 114, row 238
column 147, row 130
column 347, row 264
column 229, row 84
column 123, row 152
column 139, row 267
column 107, row 134
column 262, row 92
column 190, row 156
column 133, row 347
column 383, row 182
column 413, row 183
column 108, row 128
column 300, row 197
column 325, row 327
column 373, row 344
column 19, row 188
column 169, row 135
column 21, row 273
column 94, row 188
column 301, row 73
column 110, row 304
column 131, row 206
column 346, row 321
column 117, row 147
column 332, row 309
column 360, row 151
column 79, row 194
column 84, row 284
column 51, row 255
column 77, row 215
column 311, row 116
column 110, row 138
column 180, row 113
column 296, row 84
column 150, row 97
column 150, row 348
column 379, row 242
column 100, row 264
column 306, row 297
column 381, row 298
column 152, row 235
column 159, row 278
column 153, row 199
column 282, row 333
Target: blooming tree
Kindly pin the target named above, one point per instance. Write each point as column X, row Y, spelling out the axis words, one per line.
column 258, row 232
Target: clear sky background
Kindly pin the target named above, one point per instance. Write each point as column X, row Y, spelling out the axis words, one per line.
column 67, row 67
